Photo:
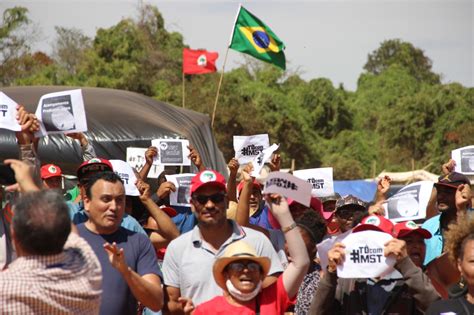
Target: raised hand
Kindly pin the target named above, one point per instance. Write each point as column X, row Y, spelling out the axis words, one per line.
column 116, row 257
column 150, row 154
column 233, row 166
column 195, row 157
column 165, row 189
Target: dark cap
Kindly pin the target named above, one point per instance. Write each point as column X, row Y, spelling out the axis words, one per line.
column 334, row 197
column 94, row 165
column 350, row 200
column 453, row 180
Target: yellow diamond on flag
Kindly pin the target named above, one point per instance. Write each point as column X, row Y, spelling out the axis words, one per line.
column 259, row 39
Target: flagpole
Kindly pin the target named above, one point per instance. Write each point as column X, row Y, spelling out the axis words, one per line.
column 219, row 88
column 183, row 90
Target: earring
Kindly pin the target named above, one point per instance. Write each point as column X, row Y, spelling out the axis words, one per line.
column 461, row 283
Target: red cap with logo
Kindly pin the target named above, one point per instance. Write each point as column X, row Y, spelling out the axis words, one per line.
column 375, row 223
column 94, row 165
column 208, row 177
column 403, row 229
column 50, row 170
column 256, row 184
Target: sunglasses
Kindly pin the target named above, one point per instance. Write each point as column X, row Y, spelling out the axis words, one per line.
column 240, row 266
column 215, row 198
column 348, row 213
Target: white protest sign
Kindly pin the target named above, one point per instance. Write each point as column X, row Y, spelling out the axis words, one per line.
column 365, row 256
column 464, row 158
column 181, row 196
column 248, row 147
column 410, row 202
column 8, row 113
column 320, row 179
column 288, row 186
column 259, row 161
column 172, row 151
column 136, row 159
column 326, row 245
column 61, row 112
column 126, row 173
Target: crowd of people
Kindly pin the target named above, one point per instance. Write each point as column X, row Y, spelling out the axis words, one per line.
column 103, row 247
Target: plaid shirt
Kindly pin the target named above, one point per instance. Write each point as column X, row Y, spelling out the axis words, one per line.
column 66, row 283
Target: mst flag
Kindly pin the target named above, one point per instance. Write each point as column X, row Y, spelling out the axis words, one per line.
column 199, row 61
column 251, row 36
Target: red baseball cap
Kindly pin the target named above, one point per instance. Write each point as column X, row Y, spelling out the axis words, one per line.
column 409, row 227
column 255, row 184
column 375, row 223
column 208, row 177
column 169, row 211
column 94, row 165
column 314, row 203
column 50, row 170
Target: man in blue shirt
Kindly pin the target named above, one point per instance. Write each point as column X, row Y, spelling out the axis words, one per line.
column 452, row 197
column 129, row 266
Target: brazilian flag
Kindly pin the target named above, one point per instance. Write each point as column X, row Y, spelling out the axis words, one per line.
column 251, row 36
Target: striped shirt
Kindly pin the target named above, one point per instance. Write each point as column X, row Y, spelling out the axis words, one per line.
column 66, row 283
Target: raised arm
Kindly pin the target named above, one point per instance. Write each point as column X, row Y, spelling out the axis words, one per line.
column 297, row 268
column 195, row 157
column 150, row 153
column 87, row 149
column 23, row 175
column 419, row 284
column 146, row 288
column 243, row 207
column 164, row 223
column 233, row 166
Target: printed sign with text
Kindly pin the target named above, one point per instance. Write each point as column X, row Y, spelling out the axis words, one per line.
column 288, row 186
column 410, row 202
column 248, row 147
column 365, row 256
column 259, row 161
column 320, row 179
column 464, row 158
column 8, row 113
column 181, row 196
column 326, row 245
column 172, row 151
column 126, row 173
column 136, row 159
column 61, row 112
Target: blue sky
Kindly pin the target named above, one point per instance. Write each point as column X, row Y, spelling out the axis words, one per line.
column 328, row 39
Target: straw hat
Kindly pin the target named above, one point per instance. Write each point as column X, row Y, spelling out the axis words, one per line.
column 239, row 250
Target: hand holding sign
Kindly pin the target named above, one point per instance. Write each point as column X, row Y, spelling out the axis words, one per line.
column 289, row 186
column 336, row 256
column 365, row 255
column 8, row 111
column 61, row 112
column 397, row 248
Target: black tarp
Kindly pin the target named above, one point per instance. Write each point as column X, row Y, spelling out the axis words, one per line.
column 116, row 120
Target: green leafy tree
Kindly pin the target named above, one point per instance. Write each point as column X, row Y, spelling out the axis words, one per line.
column 396, row 51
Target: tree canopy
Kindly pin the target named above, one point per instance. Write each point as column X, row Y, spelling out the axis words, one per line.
column 400, row 112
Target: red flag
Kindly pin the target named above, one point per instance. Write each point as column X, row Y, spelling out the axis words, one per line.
column 199, row 61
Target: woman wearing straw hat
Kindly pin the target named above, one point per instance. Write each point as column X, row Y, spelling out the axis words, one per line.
column 239, row 272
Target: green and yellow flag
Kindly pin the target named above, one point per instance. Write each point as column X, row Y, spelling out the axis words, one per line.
column 251, row 36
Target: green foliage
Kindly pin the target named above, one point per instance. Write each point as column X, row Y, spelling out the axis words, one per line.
column 400, row 111
column 395, row 51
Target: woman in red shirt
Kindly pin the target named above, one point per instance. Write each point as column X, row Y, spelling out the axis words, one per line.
column 240, row 272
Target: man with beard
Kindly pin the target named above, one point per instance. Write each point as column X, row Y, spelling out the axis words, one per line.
column 452, row 196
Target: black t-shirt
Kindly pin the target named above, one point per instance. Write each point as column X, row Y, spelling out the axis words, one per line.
column 458, row 306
